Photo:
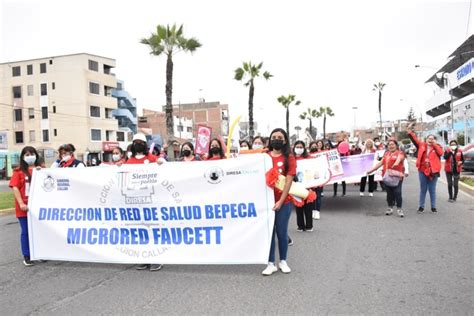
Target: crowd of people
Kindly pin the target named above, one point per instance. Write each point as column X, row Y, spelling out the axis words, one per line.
column 284, row 157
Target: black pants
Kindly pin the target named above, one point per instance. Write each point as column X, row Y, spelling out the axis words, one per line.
column 363, row 181
column 394, row 195
column 343, row 188
column 453, row 181
column 304, row 216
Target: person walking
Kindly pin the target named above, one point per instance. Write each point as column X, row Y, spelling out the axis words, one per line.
column 187, row 153
column 304, row 218
column 453, row 161
column 369, row 148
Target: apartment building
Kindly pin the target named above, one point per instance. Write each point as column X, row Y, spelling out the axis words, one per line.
column 155, row 122
column 51, row 101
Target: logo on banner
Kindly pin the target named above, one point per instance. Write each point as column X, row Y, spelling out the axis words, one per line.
column 138, row 186
column 214, row 175
column 49, row 184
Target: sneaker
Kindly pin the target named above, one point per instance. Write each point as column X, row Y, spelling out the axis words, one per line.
column 434, row 210
column 343, row 194
column 309, row 229
column 450, row 200
column 421, row 210
column 400, row 212
column 27, row 262
column 270, row 269
column 290, row 241
column 361, row 193
column 284, row 267
column 316, row 214
column 389, row 211
column 335, row 194
column 454, row 199
column 299, row 230
column 143, row 267
column 371, row 194
column 322, row 193
column 156, row 267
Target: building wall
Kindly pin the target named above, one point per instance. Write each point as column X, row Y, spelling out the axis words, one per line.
column 156, row 121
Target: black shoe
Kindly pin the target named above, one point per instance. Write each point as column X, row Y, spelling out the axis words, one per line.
column 143, row 267
column 290, row 241
column 433, row 209
column 454, row 200
column 421, row 210
column 155, row 267
column 27, row 262
column 343, row 194
column 450, row 200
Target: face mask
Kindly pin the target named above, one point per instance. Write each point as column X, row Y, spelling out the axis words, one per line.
column 116, row 157
column 277, row 144
column 66, row 158
column 453, row 148
column 244, row 148
column 313, row 150
column 139, row 156
column 30, row 160
column 377, row 143
column 129, row 154
column 215, row 150
column 187, row 152
column 257, row 146
column 139, row 148
column 299, row 151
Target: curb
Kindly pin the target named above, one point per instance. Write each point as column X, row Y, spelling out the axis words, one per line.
column 7, row 211
column 466, row 188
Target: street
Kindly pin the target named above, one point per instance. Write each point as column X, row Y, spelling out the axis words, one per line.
column 357, row 261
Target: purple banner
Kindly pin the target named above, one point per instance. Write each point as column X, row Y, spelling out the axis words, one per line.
column 354, row 167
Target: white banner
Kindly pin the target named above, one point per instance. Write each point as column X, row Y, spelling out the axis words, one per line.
column 210, row 212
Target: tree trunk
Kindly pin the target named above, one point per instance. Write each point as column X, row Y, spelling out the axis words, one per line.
column 251, row 92
column 169, row 107
column 311, row 128
column 324, row 127
column 288, row 121
column 380, row 114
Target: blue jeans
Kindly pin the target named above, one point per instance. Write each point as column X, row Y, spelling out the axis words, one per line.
column 25, row 246
column 317, row 205
column 282, row 217
column 427, row 185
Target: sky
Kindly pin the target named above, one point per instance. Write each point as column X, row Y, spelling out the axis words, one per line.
column 327, row 53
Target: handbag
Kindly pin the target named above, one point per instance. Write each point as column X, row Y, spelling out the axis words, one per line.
column 392, row 178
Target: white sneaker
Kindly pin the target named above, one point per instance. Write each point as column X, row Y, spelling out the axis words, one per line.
column 316, row 214
column 371, row 194
column 389, row 211
column 284, row 267
column 361, row 193
column 400, row 212
column 270, row 269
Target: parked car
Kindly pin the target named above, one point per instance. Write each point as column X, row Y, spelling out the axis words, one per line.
column 468, row 161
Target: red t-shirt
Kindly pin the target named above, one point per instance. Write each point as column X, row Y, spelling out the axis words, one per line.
column 389, row 159
column 20, row 180
column 279, row 164
column 216, row 157
column 145, row 160
column 300, row 158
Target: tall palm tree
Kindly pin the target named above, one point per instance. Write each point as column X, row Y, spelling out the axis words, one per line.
column 379, row 87
column 309, row 115
column 287, row 102
column 249, row 72
column 169, row 41
column 325, row 111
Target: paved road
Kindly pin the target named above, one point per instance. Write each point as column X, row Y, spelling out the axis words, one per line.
column 358, row 261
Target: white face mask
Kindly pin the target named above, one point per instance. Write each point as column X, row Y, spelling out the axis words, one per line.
column 454, row 147
column 244, row 148
column 116, row 157
column 129, row 154
column 66, row 158
column 30, row 160
column 377, row 143
column 139, row 156
column 299, row 151
column 257, row 146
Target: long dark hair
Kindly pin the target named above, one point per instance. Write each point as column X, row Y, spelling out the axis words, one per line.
column 305, row 152
column 23, row 165
column 191, row 147
column 286, row 147
column 311, row 144
column 134, row 151
column 247, row 143
column 221, row 152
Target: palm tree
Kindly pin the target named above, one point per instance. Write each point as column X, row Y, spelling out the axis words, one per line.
column 250, row 71
column 286, row 102
column 379, row 87
column 310, row 114
column 169, row 41
column 325, row 111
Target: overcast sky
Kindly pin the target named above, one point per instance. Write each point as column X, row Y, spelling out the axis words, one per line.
column 327, row 53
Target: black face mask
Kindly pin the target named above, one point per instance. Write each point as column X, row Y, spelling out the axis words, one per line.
column 313, row 150
column 215, row 150
column 187, row 152
column 139, row 148
column 277, row 144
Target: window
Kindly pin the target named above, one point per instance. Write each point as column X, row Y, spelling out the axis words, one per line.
column 31, row 113
column 108, row 135
column 50, row 61
column 18, row 115
column 16, row 71
column 95, row 134
column 43, row 68
column 44, row 112
column 45, row 133
column 29, row 70
column 94, row 88
column 55, row 132
column 32, row 136
column 94, row 111
column 189, row 129
column 180, row 128
column 108, row 113
column 107, row 91
column 54, row 108
column 18, row 137
column 29, row 88
column 120, row 136
column 44, row 89
column 17, row 92
column 53, row 85
column 93, row 65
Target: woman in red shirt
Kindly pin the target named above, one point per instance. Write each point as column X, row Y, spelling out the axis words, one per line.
column 452, row 166
column 118, row 157
column 392, row 163
column 368, row 149
column 216, row 151
column 428, row 163
column 304, row 219
column 20, row 184
column 187, row 153
column 285, row 164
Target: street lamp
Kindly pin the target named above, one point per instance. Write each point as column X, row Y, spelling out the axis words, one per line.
column 353, row 131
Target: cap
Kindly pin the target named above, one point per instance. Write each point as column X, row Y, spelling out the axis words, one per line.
column 139, row 136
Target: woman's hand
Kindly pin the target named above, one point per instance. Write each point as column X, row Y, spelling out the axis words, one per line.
column 277, row 206
column 23, row 207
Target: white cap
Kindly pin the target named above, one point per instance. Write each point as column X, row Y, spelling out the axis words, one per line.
column 139, row 136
